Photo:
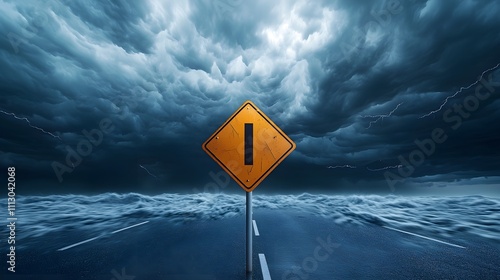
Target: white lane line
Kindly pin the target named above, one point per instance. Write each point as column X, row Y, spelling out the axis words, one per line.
column 255, row 229
column 130, row 227
column 425, row 237
column 79, row 243
column 263, row 266
column 91, row 239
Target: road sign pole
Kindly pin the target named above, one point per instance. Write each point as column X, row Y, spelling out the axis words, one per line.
column 249, row 231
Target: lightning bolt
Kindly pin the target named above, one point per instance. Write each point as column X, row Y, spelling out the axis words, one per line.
column 31, row 125
column 342, row 166
column 380, row 117
column 459, row 91
column 385, row 168
column 147, row 171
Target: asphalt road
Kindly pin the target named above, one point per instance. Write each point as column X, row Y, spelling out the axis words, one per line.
column 294, row 245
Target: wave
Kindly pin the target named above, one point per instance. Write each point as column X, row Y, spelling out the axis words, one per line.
column 442, row 216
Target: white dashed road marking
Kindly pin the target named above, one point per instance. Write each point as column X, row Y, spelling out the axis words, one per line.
column 425, row 237
column 76, row 244
column 130, row 227
column 263, row 266
column 255, row 229
column 91, row 239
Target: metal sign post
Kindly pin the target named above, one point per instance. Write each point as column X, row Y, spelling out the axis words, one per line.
column 249, row 231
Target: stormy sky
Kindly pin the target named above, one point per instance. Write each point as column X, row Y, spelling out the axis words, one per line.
column 379, row 96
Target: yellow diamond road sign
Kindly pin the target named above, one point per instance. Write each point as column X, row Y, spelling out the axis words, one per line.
column 248, row 146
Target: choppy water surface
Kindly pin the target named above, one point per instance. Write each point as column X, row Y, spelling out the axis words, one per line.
column 442, row 216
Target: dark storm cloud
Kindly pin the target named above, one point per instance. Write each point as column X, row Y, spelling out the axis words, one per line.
column 348, row 80
column 121, row 22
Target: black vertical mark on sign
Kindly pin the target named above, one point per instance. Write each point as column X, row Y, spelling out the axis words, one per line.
column 249, row 144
